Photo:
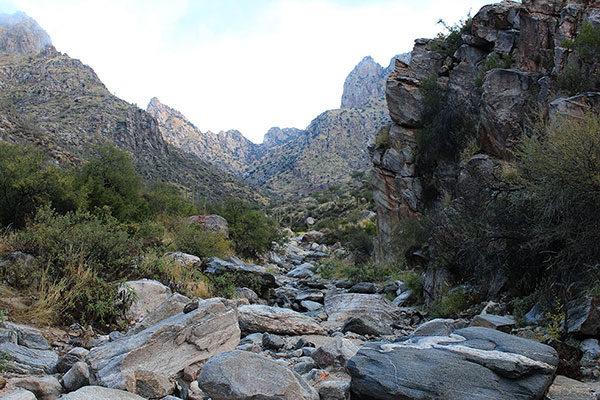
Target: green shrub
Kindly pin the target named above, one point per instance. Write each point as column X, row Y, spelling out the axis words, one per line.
column 27, row 182
column 450, row 304
column 414, row 282
column 108, row 180
column 193, row 239
column 250, row 230
column 166, row 199
column 447, row 43
column 382, row 140
column 586, row 42
column 572, row 81
column 99, row 241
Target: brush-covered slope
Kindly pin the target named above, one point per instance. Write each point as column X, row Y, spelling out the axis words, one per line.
column 59, row 104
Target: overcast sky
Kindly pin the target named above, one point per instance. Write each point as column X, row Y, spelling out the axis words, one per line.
column 237, row 64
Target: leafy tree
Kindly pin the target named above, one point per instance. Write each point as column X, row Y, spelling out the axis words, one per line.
column 109, row 180
column 28, row 181
column 164, row 198
column 251, row 231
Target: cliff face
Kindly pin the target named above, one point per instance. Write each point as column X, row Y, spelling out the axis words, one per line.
column 510, row 62
column 57, row 103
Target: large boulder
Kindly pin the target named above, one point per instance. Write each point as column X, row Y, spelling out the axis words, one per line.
column 24, row 360
column 241, row 375
column 574, row 106
column 583, row 316
column 507, row 96
column 282, row 321
column 149, row 295
column 217, row 266
column 213, row 223
column 335, row 353
column 173, row 305
column 167, row 347
column 403, row 96
column 341, row 306
column 564, row 388
column 98, row 392
column 473, row 363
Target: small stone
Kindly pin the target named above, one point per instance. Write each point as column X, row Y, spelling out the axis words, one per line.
column 44, row 388
column 500, row 323
column 115, row 335
column 77, row 377
column 364, row 287
column 189, row 307
column 68, row 360
column 334, row 390
column 272, row 342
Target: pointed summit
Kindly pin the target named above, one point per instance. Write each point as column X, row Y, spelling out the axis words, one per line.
column 21, row 34
column 364, row 82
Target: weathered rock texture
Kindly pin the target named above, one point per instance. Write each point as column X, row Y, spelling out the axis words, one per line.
column 473, row 363
column 166, row 348
column 514, row 52
column 241, row 375
column 58, row 104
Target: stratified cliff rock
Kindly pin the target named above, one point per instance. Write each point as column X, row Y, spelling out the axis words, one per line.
column 509, row 64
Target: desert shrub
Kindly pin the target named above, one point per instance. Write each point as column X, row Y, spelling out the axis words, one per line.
column 586, row 42
column 382, row 140
column 541, row 226
column 492, row 62
column 340, row 268
column 193, row 239
column 28, row 181
column 250, row 230
column 108, row 180
column 450, row 304
column 97, row 240
column 572, row 81
column 447, row 128
column 224, row 285
column 166, row 199
column 414, row 282
column 447, row 43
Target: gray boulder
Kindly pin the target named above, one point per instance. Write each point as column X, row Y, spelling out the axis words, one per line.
column 335, row 353
column 29, row 361
column 20, row 395
column 240, row 375
column 364, row 325
column 27, row 336
column 174, row 304
column 439, row 327
column 98, row 392
column 77, row 377
column 68, row 360
column 504, row 323
column 282, row 321
column 583, row 316
column 341, row 306
column 564, row 388
column 473, row 363
column 334, row 390
column 149, row 295
column 364, row 287
column 168, row 347
column 217, row 266
column 44, row 388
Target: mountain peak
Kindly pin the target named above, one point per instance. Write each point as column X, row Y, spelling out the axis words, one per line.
column 365, row 81
column 21, row 34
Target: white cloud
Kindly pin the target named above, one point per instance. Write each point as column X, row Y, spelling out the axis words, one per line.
column 283, row 72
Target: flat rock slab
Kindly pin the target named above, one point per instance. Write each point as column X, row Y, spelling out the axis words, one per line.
column 241, row 375
column 217, row 266
column 565, row 388
column 341, row 306
column 282, row 321
column 471, row 364
column 168, row 347
column 97, row 393
column 498, row 322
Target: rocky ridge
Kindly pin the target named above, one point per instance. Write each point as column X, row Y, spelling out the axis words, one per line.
column 291, row 160
column 57, row 103
column 529, row 36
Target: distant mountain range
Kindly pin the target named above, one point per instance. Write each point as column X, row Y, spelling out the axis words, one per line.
column 290, row 160
column 52, row 101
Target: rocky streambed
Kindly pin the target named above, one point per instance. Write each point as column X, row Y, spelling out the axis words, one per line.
column 302, row 338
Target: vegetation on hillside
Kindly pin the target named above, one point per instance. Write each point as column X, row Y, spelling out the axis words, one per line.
column 92, row 227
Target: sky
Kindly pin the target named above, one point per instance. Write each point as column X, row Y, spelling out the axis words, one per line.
column 237, row 64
